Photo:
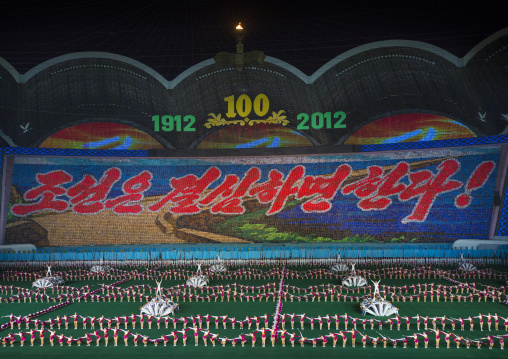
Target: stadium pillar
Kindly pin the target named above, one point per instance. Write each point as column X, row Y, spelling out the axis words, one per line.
column 499, row 209
column 6, row 168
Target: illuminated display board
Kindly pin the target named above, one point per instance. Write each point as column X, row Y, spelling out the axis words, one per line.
column 101, row 135
column 431, row 196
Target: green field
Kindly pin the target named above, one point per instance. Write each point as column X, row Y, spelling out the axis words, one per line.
column 241, row 309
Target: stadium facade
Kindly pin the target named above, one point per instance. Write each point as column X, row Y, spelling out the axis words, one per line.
column 384, row 94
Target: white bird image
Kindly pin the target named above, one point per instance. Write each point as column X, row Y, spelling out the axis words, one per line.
column 481, row 116
column 25, row 128
column 504, row 116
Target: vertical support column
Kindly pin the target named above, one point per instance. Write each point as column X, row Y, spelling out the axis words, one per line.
column 6, row 168
column 499, row 222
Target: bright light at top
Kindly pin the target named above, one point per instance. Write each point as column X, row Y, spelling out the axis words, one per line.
column 239, row 26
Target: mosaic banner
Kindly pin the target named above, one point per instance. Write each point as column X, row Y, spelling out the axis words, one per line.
column 433, row 195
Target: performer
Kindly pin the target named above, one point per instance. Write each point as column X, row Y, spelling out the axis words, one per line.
column 263, row 337
column 364, row 340
column 205, row 336
column 302, row 319
column 214, row 338
column 253, row 335
column 283, row 337
column 292, row 339
column 41, row 335
column 457, row 341
column 126, row 337
column 32, row 337
column 22, row 338
column 106, row 337
column 115, row 336
column 491, row 341
column 52, row 336
column 184, row 337
column 88, row 339
column 344, row 338
column 98, row 337
column 196, row 335
column 443, row 322
column 334, row 338
column 302, row 341
column 447, row 340
column 133, row 321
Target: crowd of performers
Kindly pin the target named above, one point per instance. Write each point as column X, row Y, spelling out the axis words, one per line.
column 353, row 335
column 488, row 321
column 257, row 327
column 105, row 328
column 460, row 292
column 246, row 272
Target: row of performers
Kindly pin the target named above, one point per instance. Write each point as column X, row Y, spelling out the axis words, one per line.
column 273, row 334
column 199, row 321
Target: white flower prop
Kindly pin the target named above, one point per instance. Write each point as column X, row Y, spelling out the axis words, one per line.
column 197, row 281
column 467, row 267
column 354, row 281
column 339, row 267
column 100, row 269
column 159, row 306
column 49, row 281
column 218, row 267
column 378, row 306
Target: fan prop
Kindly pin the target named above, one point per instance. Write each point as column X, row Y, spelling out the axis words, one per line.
column 354, row 281
column 100, row 269
column 339, row 267
column 218, row 268
column 467, row 267
column 197, row 281
column 159, row 307
column 378, row 306
column 48, row 282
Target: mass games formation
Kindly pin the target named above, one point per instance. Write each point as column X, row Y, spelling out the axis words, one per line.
column 376, row 319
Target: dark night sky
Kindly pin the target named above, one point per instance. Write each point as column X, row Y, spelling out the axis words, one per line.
column 171, row 36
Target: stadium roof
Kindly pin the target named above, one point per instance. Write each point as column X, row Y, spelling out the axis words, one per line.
column 170, row 37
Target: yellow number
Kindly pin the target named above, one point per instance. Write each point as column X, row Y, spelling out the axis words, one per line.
column 243, row 105
column 231, row 106
column 261, row 105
